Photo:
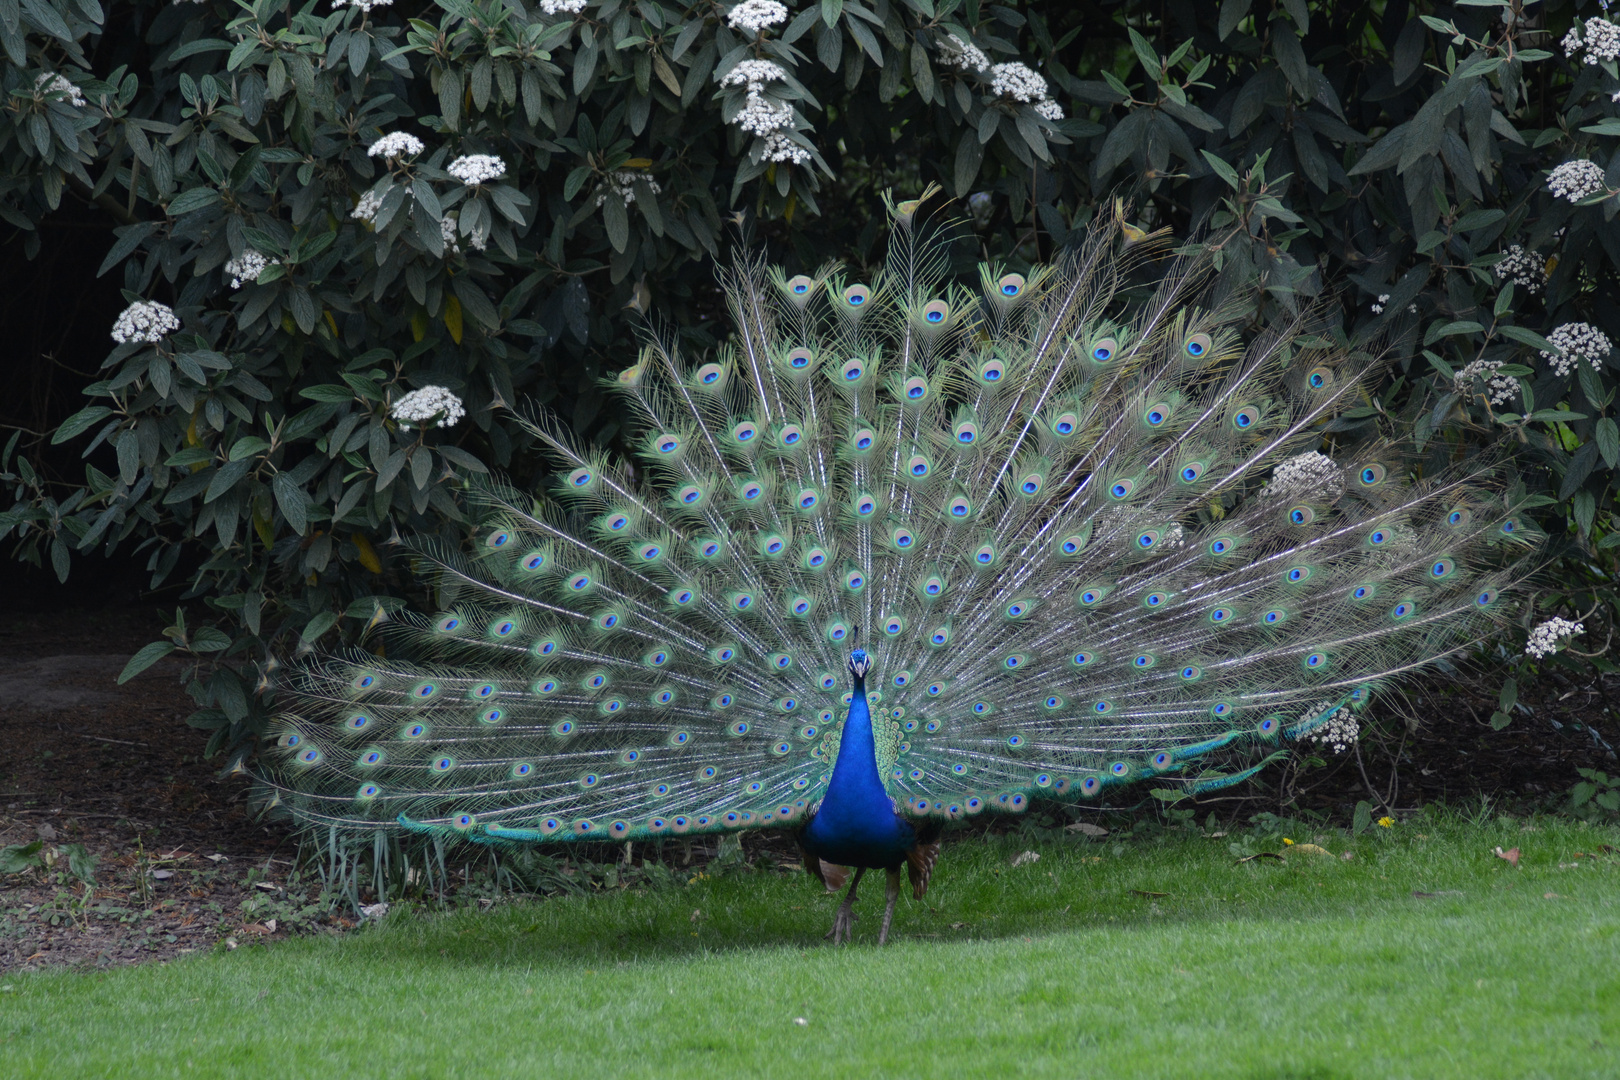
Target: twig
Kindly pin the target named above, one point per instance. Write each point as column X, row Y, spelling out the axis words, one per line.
column 103, row 738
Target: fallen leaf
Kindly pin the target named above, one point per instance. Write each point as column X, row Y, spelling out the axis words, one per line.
column 697, row 914
column 163, row 875
column 1511, row 855
column 270, row 925
column 268, row 886
column 958, row 926
column 373, row 911
column 1087, row 828
column 1347, row 856
column 216, row 858
column 801, row 1021
column 1263, row 855
column 255, row 928
column 1551, row 896
column 1026, row 858
column 1311, row 849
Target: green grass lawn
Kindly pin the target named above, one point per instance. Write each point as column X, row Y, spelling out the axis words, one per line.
column 1319, row 967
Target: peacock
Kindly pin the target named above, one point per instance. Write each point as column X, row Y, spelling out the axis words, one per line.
column 906, row 552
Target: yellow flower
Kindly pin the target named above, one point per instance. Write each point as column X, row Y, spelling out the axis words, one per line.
column 1288, row 842
column 1386, row 822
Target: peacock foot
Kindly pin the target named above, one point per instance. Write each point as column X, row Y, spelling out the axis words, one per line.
column 843, row 925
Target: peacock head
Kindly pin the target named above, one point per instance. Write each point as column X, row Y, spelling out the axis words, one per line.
column 859, row 663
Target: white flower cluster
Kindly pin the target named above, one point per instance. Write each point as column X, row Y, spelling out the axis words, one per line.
column 247, row 267
column 1575, row 180
column 366, row 209
column 1378, row 305
column 755, row 74
column 957, row 53
column 475, row 169
column 570, row 7
column 1576, row 342
column 1547, row 638
column 1020, row 83
column 450, row 230
column 623, row 184
column 363, row 5
column 1339, row 733
column 1525, row 269
column 763, row 117
column 420, row 407
column 752, row 16
column 145, row 320
column 395, row 145
column 59, row 84
column 1602, row 41
column 1311, row 475
column 1499, row 389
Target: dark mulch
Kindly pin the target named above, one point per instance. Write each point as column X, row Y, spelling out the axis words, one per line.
column 116, row 770
column 182, row 865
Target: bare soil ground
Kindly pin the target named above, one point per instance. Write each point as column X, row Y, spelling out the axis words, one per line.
column 181, row 866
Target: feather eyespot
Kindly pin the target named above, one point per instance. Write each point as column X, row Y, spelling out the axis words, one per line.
column 1198, row 345
column 1319, row 377
column 936, row 312
column 991, row 371
column 1372, row 474
column 857, row 295
column 852, row 370
column 1301, row 515
column 711, row 375
column 1104, row 349
column 799, row 359
column 799, row 285
column 1157, row 414
column 1010, row 285
column 916, row 388
column 1245, row 417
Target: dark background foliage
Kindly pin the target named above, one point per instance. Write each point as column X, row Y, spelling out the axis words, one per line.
column 1376, row 159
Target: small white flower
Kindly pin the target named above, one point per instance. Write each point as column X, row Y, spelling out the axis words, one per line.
column 761, row 115
column 1499, row 389
column 1341, row 730
column 1572, row 41
column 1576, row 342
column 571, row 7
column 1018, row 82
column 623, row 184
column 752, row 16
column 145, row 320
column 1378, row 305
column 1575, row 180
column 247, row 267
column 363, row 5
column 475, row 169
column 1602, row 41
column 59, row 84
column 1308, row 475
column 1049, row 110
column 366, row 209
column 956, row 53
column 396, row 145
column 1548, row 637
column 1526, row 269
column 450, row 230
column 778, row 147
column 755, row 74
column 431, row 403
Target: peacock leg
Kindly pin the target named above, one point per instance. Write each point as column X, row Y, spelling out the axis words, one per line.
column 844, row 922
column 891, row 891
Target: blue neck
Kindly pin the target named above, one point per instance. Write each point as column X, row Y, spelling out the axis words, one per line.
column 856, row 790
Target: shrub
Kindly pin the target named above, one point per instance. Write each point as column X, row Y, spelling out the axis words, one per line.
column 338, row 206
